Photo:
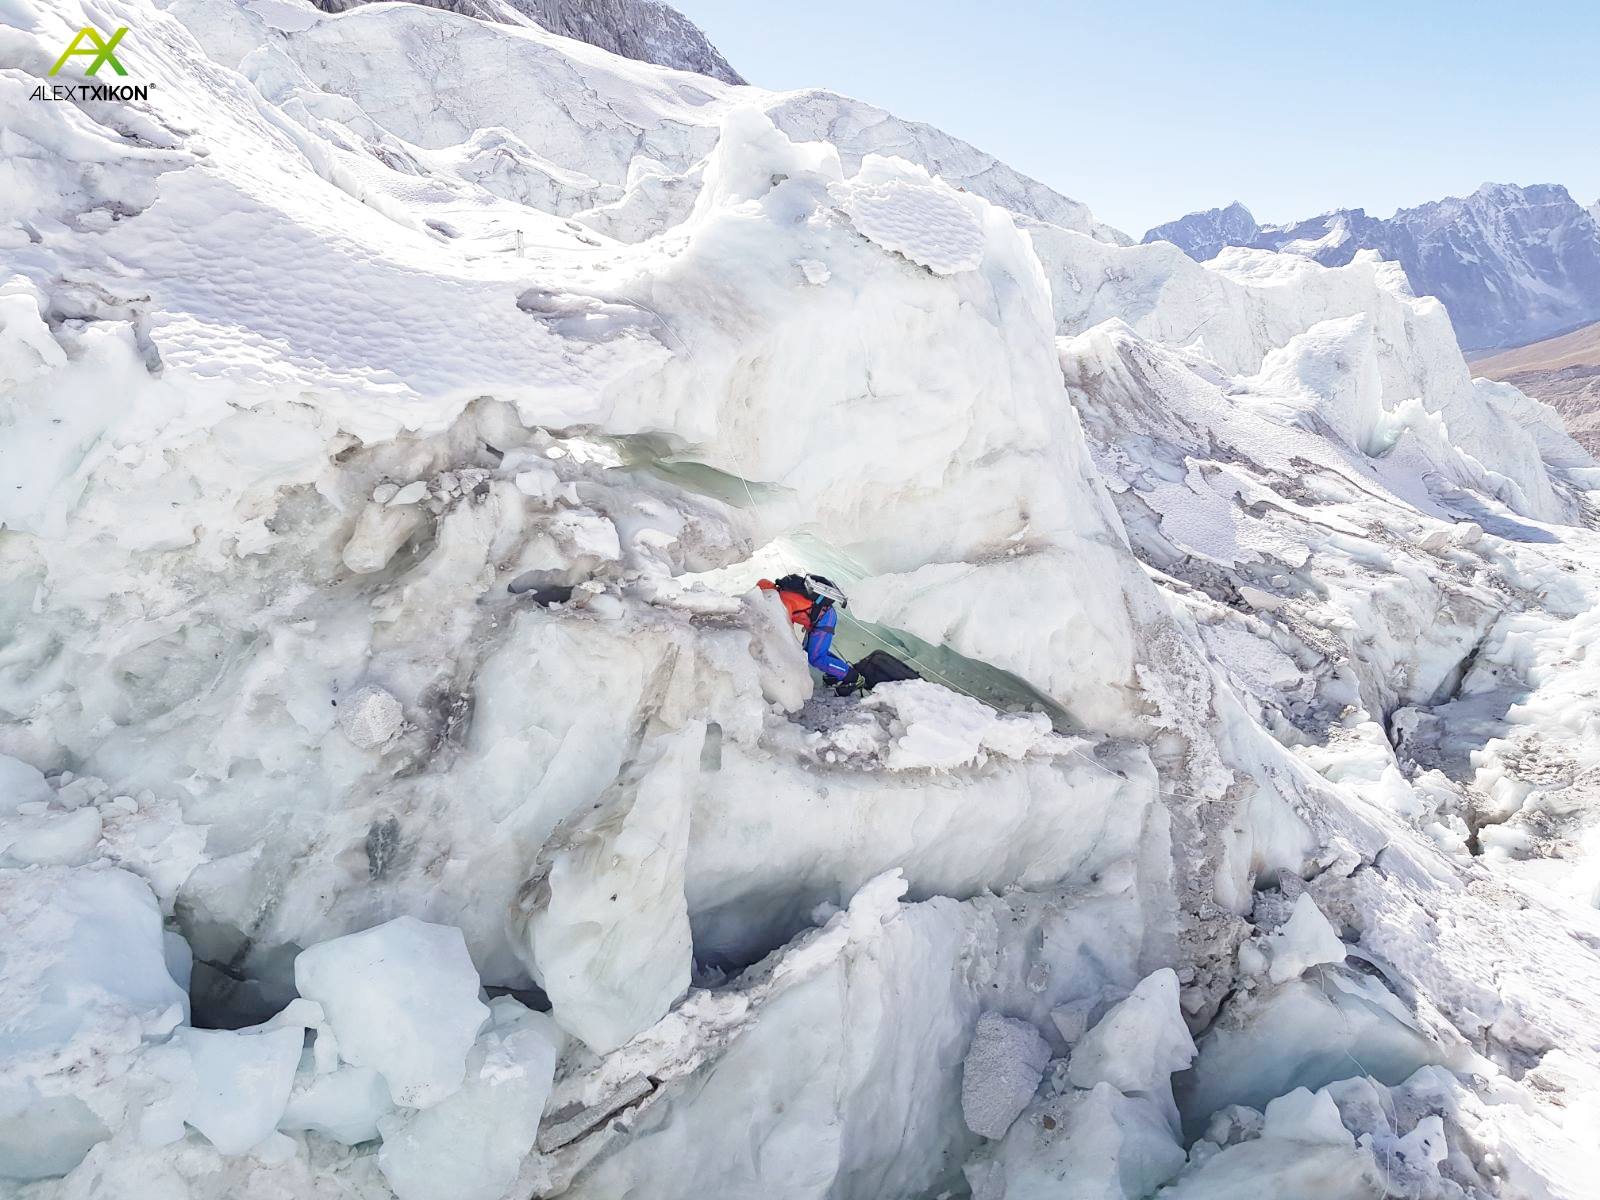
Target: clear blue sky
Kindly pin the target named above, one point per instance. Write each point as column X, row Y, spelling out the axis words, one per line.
column 1148, row 110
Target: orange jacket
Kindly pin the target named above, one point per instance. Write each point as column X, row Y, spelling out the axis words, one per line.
column 818, row 631
column 799, row 607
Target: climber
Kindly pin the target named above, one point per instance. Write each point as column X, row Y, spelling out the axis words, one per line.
column 810, row 600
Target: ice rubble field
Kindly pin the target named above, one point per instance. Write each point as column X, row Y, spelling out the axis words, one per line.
column 405, row 791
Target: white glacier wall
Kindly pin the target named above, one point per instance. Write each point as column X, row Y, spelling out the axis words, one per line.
column 581, row 133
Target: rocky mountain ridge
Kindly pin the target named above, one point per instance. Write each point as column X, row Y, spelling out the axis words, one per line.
column 1512, row 264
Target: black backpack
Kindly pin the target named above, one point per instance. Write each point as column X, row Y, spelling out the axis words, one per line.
column 802, row 585
column 882, row 667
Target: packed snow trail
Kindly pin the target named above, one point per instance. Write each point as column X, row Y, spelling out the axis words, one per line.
column 396, row 458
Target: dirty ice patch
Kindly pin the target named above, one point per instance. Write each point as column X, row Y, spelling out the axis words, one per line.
column 932, row 727
column 1257, row 666
column 903, row 209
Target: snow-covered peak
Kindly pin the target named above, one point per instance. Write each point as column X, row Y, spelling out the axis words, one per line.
column 1202, row 235
column 1511, row 263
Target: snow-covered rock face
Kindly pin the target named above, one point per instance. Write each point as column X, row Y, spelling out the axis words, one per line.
column 1204, row 235
column 394, row 461
column 646, row 30
column 643, row 29
column 613, row 144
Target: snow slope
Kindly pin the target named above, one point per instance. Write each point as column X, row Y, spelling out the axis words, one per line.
column 387, row 699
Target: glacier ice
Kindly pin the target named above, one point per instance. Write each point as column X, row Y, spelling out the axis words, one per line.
column 1305, row 940
column 1303, row 1116
column 1103, row 1124
column 471, row 1145
column 393, row 460
column 612, row 966
column 380, row 531
column 874, row 1112
column 22, row 786
column 401, row 998
column 44, row 1136
column 935, row 727
column 344, row 1103
column 60, row 839
column 241, row 1082
column 1304, row 1033
column 1095, row 1143
column 1139, row 1042
column 85, row 984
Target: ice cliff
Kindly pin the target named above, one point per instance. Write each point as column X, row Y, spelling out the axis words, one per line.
column 404, row 789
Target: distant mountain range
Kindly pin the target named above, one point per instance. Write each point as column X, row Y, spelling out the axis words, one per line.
column 1511, row 264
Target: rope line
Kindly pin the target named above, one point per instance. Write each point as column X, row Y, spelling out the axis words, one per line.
column 951, row 684
column 1394, row 1129
column 922, row 668
column 785, row 560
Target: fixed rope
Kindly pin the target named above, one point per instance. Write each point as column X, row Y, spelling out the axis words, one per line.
column 784, row 560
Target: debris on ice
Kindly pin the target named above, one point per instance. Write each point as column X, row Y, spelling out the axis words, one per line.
column 1000, row 1073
